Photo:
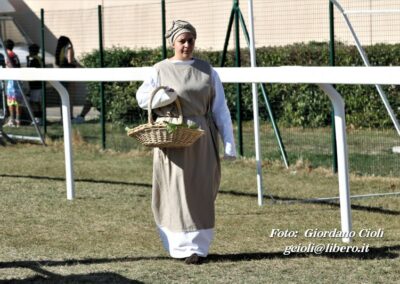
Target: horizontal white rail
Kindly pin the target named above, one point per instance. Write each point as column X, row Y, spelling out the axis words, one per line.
column 284, row 74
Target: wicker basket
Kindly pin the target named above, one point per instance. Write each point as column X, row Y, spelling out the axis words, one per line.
column 154, row 134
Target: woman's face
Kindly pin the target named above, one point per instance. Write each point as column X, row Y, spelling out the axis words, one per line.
column 184, row 46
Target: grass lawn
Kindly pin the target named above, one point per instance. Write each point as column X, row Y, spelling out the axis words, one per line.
column 107, row 234
column 370, row 150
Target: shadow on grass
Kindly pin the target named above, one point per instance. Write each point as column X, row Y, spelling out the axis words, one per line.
column 78, row 180
column 288, row 200
column 101, row 277
column 386, row 252
column 273, row 198
column 45, row 276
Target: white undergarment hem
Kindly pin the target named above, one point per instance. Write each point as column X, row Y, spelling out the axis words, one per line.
column 184, row 244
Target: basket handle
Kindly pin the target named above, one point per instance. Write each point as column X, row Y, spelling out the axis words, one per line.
column 178, row 105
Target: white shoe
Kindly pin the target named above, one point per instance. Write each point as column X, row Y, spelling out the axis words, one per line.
column 11, row 123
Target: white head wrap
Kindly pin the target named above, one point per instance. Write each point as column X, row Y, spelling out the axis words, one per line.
column 179, row 27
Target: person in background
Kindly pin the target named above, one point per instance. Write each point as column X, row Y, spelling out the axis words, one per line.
column 186, row 180
column 65, row 58
column 65, row 54
column 85, row 110
column 13, row 89
column 33, row 60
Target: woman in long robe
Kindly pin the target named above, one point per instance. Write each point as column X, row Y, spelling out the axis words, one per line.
column 186, row 180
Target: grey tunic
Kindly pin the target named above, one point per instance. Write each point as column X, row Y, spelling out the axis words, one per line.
column 186, row 180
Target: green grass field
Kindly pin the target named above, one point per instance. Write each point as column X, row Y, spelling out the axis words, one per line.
column 107, row 234
column 370, row 150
